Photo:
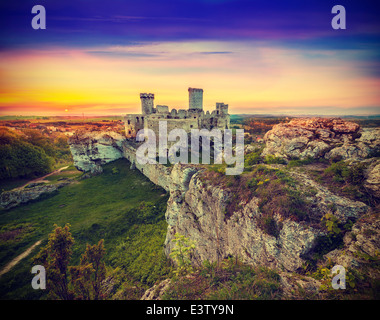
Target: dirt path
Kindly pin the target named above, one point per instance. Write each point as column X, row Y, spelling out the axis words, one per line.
column 42, row 178
column 16, row 260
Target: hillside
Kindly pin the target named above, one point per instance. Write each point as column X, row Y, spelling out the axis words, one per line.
column 307, row 200
column 120, row 206
column 301, row 196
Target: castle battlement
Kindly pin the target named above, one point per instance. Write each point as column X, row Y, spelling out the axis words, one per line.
column 146, row 95
column 192, row 118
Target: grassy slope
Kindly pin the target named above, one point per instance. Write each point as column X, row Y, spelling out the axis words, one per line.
column 100, row 207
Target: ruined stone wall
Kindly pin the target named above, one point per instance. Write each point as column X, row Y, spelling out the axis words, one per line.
column 162, row 109
column 216, row 121
column 133, row 123
column 186, row 124
column 157, row 173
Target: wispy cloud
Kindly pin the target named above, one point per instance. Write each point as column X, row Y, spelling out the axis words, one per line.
column 215, row 52
column 254, row 77
column 119, row 54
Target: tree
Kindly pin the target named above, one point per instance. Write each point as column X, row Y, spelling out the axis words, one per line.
column 55, row 257
column 181, row 254
column 88, row 276
column 82, row 282
column 21, row 158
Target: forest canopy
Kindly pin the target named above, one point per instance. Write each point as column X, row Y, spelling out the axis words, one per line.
column 30, row 153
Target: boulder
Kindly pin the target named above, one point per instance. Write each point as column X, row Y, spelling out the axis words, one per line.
column 329, row 138
column 15, row 197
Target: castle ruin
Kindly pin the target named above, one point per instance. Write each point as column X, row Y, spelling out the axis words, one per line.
column 193, row 118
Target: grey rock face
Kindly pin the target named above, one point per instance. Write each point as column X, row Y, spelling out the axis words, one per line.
column 372, row 181
column 91, row 149
column 197, row 211
column 157, row 291
column 321, row 138
column 361, row 246
column 15, row 197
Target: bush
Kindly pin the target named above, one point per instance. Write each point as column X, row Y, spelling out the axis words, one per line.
column 252, row 158
column 181, row 254
column 278, row 193
column 339, row 171
column 269, row 225
column 356, row 174
column 271, row 159
column 232, row 281
column 297, row 162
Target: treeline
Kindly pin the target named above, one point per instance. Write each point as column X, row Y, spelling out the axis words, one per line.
column 30, row 153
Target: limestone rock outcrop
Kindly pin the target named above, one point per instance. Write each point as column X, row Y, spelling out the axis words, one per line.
column 157, row 291
column 329, row 138
column 372, row 177
column 197, row 210
column 17, row 196
column 91, row 149
column 361, row 249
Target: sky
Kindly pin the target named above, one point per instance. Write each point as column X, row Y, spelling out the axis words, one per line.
column 260, row 57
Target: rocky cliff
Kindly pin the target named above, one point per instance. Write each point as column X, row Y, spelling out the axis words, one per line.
column 198, row 208
column 333, row 139
column 91, row 149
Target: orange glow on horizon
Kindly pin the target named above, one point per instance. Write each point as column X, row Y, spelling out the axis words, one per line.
column 250, row 78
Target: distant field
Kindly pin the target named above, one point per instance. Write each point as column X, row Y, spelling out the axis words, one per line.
column 57, row 118
column 109, row 206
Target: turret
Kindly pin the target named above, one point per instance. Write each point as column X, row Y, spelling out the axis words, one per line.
column 147, row 100
column 221, row 108
column 195, row 98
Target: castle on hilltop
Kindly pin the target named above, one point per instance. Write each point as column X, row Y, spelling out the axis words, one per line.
column 193, row 118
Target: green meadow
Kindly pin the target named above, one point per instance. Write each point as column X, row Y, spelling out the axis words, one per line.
column 120, row 206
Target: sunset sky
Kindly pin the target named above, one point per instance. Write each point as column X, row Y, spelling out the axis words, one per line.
column 266, row 57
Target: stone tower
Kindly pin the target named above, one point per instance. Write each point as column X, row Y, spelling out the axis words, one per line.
column 195, row 99
column 147, row 103
column 221, row 108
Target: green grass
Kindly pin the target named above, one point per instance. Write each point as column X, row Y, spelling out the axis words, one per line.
column 64, row 174
column 109, row 206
